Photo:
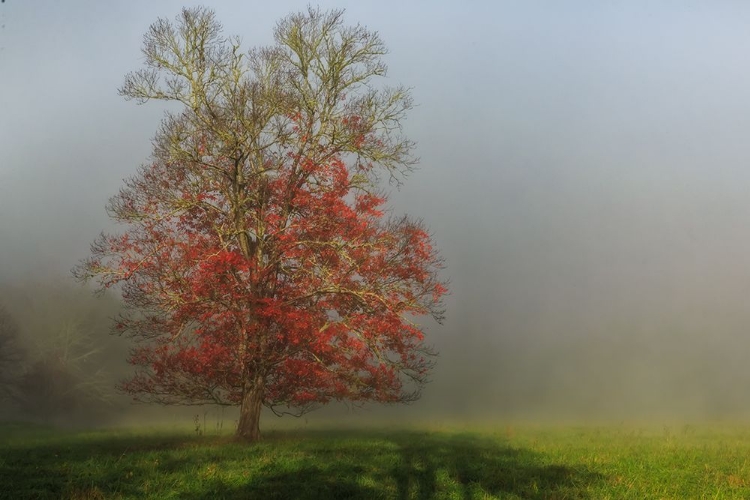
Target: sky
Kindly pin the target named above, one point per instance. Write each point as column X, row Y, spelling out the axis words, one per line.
column 584, row 170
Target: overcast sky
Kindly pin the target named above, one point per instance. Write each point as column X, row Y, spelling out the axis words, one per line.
column 584, row 169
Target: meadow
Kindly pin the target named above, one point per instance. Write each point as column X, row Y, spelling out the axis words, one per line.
column 441, row 462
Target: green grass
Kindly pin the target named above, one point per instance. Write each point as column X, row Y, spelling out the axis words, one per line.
column 544, row 462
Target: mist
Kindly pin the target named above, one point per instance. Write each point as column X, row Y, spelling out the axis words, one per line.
column 583, row 170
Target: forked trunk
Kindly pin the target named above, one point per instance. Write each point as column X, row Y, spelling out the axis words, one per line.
column 248, row 427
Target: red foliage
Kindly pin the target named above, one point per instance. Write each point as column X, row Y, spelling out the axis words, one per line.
column 318, row 298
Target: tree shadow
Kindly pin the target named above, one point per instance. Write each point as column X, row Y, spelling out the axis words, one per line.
column 411, row 465
column 354, row 464
column 477, row 466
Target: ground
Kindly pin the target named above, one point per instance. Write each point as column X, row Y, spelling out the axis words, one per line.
column 425, row 462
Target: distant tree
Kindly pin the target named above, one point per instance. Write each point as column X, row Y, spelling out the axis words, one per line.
column 46, row 389
column 63, row 376
column 69, row 365
column 12, row 356
column 258, row 265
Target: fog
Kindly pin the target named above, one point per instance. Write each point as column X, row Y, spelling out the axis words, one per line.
column 584, row 169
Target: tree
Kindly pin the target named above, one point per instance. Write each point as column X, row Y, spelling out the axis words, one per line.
column 260, row 267
column 12, row 356
column 66, row 375
column 65, row 371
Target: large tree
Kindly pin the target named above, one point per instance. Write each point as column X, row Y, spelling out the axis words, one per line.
column 259, row 264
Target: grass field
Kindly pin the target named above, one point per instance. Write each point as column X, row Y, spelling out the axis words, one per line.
column 544, row 462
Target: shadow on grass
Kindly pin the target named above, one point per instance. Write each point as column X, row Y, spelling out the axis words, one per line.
column 300, row 465
column 418, row 465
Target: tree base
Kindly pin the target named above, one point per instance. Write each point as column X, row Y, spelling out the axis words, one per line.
column 248, row 428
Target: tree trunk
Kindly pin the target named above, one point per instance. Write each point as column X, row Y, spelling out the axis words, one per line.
column 248, row 427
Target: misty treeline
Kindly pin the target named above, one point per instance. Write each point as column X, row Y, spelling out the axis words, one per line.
column 57, row 362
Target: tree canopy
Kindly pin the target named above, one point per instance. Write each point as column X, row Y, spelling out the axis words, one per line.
column 259, row 263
